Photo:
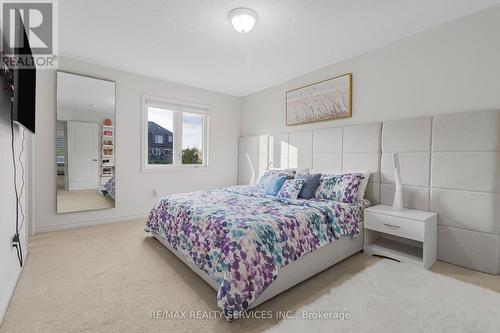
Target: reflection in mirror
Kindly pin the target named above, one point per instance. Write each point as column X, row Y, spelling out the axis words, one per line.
column 85, row 141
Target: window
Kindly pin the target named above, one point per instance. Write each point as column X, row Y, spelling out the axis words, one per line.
column 159, row 139
column 175, row 134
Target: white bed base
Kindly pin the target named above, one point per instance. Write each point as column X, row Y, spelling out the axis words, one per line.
column 296, row 272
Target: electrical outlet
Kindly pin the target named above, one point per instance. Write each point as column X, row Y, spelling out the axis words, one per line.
column 15, row 240
column 154, row 193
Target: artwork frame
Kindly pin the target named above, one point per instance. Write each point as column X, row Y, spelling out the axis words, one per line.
column 336, row 104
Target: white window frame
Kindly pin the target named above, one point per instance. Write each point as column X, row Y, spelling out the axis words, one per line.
column 177, row 106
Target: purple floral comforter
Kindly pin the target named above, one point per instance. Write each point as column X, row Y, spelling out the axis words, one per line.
column 109, row 188
column 241, row 237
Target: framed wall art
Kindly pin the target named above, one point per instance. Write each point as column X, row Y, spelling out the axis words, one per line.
column 324, row 100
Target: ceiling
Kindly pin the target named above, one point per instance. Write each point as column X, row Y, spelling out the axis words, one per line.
column 192, row 41
column 72, row 104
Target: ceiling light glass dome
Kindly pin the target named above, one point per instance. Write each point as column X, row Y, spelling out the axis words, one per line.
column 243, row 19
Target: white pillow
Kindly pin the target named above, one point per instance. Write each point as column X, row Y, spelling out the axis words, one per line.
column 300, row 171
column 362, row 187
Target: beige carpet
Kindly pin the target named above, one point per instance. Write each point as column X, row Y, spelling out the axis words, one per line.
column 108, row 278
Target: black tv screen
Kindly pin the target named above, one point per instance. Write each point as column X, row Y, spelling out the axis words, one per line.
column 5, row 98
column 24, row 85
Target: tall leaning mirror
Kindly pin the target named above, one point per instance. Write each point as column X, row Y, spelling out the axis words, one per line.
column 85, row 141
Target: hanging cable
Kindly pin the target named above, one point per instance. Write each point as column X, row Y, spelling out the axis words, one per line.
column 16, row 240
column 21, row 191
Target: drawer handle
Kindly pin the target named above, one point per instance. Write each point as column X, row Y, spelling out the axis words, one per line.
column 392, row 226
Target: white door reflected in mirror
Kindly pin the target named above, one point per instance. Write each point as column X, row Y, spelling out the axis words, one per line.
column 83, row 153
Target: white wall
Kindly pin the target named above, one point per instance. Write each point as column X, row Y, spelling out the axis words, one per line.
column 9, row 264
column 134, row 188
column 84, row 115
column 451, row 68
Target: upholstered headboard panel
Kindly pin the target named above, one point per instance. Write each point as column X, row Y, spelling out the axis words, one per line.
column 348, row 149
column 253, row 158
column 327, row 149
column 336, row 149
column 300, row 149
column 361, row 151
column 411, row 138
column 450, row 164
column 465, row 187
column 278, row 151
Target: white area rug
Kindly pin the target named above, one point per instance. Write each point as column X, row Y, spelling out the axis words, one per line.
column 394, row 297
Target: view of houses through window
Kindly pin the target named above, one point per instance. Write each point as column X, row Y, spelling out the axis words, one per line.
column 160, row 136
column 162, row 145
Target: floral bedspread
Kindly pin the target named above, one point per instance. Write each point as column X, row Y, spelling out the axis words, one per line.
column 241, row 237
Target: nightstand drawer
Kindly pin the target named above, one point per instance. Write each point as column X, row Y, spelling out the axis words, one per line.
column 395, row 225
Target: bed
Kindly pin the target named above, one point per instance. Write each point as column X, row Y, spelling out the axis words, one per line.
column 109, row 188
column 250, row 246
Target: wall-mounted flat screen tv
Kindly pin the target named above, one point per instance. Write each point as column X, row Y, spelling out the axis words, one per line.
column 24, row 83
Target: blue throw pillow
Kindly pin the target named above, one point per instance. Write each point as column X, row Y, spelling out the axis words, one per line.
column 264, row 179
column 310, row 185
column 274, row 184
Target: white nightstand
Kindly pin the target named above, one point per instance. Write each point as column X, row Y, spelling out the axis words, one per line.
column 408, row 235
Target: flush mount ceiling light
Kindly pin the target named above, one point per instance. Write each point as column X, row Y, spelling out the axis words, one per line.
column 242, row 19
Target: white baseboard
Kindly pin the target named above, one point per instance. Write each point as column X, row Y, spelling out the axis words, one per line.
column 87, row 223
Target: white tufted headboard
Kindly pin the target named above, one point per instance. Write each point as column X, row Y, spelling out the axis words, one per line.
column 450, row 164
column 465, row 188
column 253, row 158
column 411, row 138
column 336, row 149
